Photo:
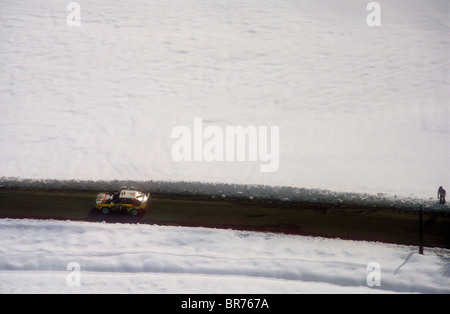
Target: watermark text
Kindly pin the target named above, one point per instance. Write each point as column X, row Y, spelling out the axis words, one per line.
column 232, row 143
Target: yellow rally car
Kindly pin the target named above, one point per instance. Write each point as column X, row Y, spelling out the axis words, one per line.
column 130, row 201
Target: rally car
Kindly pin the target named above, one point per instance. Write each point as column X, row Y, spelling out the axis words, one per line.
column 130, row 201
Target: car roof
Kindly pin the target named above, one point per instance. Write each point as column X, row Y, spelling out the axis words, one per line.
column 129, row 193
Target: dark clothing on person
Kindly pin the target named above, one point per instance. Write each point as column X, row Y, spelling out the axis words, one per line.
column 441, row 195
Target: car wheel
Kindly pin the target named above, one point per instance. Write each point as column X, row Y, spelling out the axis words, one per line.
column 134, row 212
column 105, row 210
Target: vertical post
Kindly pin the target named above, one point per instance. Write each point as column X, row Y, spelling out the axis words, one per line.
column 421, row 231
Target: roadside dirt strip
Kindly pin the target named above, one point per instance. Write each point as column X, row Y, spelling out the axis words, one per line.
column 345, row 222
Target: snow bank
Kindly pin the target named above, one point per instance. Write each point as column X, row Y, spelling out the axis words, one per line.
column 247, row 192
column 152, row 259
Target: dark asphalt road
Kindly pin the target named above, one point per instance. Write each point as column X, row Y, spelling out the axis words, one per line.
column 384, row 225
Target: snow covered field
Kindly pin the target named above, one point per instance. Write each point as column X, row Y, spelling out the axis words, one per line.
column 121, row 258
column 360, row 108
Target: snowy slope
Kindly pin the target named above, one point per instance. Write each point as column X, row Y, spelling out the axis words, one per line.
column 121, row 258
column 360, row 109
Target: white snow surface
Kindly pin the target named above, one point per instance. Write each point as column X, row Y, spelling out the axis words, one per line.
column 360, row 109
column 121, row 258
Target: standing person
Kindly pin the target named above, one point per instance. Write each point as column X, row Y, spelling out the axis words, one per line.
column 441, row 195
